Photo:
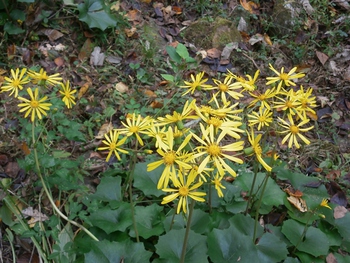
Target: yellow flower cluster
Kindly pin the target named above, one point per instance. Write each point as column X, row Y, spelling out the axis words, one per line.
column 198, row 144
column 36, row 106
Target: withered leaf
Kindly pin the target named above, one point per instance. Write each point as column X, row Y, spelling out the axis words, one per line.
column 322, row 57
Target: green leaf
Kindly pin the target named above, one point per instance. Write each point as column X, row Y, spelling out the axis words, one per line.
column 168, row 77
column 182, row 51
column 173, row 54
column 200, row 222
column 109, row 189
column 95, row 14
column 291, row 260
column 17, row 14
column 174, row 222
column 230, row 245
column 60, row 154
column 147, row 181
column 149, row 221
column 26, row 1
column 244, row 225
column 273, row 195
column 111, row 252
column 307, row 258
column 293, row 231
column 343, row 226
column 297, row 180
column 112, row 220
column 12, row 29
column 169, row 247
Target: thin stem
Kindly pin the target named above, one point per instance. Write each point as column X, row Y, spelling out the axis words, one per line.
column 210, row 198
column 10, row 204
column 130, row 179
column 184, row 245
column 259, row 205
column 252, row 187
column 48, row 192
column 306, row 227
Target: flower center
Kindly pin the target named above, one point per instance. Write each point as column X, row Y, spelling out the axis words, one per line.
column 183, row 191
column 262, row 97
column 134, row 129
column 112, row 146
column 34, row 103
column 262, row 119
column 214, row 150
column 215, row 122
column 16, row 82
column 289, row 104
column 294, row 129
column 284, row 76
column 223, row 87
column 169, row 158
column 257, row 149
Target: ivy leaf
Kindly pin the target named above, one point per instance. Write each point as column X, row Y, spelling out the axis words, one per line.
column 109, row 189
column 293, row 231
column 149, row 221
column 95, row 14
column 110, row 252
column 229, row 245
column 147, row 181
column 112, row 220
column 170, row 245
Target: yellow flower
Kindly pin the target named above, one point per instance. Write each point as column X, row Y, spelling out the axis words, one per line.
column 67, row 92
column 288, row 104
column 307, row 102
column 217, row 182
column 177, row 118
column 158, row 134
column 248, row 85
column 215, row 153
column 34, row 106
column 197, row 83
column 15, row 83
column 184, row 190
column 170, row 158
column 294, row 131
column 226, row 88
column 113, row 145
column 254, row 141
column 43, row 79
column 262, row 98
column 284, row 78
column 228, row 127
column 226, row 112
column 324, row 203
column 135, row 126
column 264, row 117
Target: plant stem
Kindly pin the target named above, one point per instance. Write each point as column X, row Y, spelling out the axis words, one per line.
column 14, row 209
column 306, row 227
column 130, row 179
column 252, row 187
column 184, row 245
column 259, row 205
column 48, row 192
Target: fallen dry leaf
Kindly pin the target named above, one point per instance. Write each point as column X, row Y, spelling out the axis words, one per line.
column 83, row 89
column 267, row 39
column 299, row 203
column 11, row 51
column 250, row 6
column 149, row 93
column 105, row 128
column 121, row 87
column 97, row 58
column 339, row 212
column 59, row 61
column 214, row 53
column 86, row 50
column 52, row 34
column 322, row 57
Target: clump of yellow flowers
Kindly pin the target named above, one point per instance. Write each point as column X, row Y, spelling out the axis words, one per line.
column 198, row 144
column 33, row 102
